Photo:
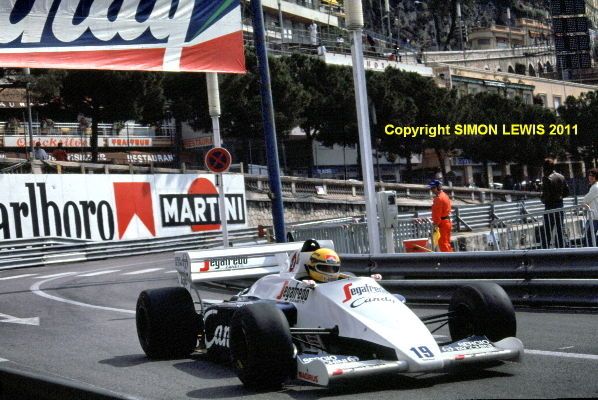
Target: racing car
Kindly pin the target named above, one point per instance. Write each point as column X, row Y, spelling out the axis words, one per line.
column 282, row 328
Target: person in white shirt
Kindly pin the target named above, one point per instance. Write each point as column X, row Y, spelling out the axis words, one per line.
column 591, row 200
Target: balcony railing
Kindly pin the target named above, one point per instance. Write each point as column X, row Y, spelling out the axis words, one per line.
column 73, row 128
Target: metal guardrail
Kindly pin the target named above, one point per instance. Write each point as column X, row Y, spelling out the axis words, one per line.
column 557, row 277
column 38, row 256
column 564, row 227
column 351, row 236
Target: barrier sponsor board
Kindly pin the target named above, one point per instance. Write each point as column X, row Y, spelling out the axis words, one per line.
column 147, row 35
column 47, row 141
column 112, row 207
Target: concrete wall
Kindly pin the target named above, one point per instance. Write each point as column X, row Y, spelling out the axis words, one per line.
column 259, row 212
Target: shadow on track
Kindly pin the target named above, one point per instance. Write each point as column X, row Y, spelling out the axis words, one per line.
column 300, row 390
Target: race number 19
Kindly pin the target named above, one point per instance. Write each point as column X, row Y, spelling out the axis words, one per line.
column 422, row 352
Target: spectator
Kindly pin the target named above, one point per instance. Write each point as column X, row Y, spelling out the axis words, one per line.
column 554, row 190
column 340, row 41
column 591, row 200
column 441, row 215
column 60, row 154
column 39, row 153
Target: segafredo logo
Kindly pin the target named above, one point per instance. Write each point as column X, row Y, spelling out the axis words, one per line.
column 359, row 290
column 294, row 294
column 78, row 23
column 199, row 207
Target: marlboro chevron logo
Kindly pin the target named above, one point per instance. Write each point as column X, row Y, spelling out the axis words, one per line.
column 169, row 35
column 108, row 208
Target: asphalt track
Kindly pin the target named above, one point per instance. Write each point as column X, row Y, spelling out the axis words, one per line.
column 77, row 322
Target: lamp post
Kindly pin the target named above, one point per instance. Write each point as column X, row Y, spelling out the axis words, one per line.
column 509, row 25
column 354, row 20
column 461, row 28
column 280, row 21
column 29, row 118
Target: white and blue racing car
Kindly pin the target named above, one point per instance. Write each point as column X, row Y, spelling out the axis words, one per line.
column 281, row 328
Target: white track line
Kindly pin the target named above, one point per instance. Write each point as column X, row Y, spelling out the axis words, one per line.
column 561, row 354
column 100, row 272
column 143, row 271
column 3, row 359
column 54, row 275
column 170, row 272
column 35, row 288
column 16, row 276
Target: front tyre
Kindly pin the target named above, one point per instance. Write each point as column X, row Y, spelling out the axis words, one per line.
column 482, row 309
column 262, row 350
column 167, row 324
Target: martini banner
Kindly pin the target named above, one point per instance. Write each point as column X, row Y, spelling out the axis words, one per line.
column 141, row 35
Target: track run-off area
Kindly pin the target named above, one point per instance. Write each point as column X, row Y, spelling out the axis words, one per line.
column 76, row 322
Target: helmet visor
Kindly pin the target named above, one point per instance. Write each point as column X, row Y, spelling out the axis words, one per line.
column 328, row 268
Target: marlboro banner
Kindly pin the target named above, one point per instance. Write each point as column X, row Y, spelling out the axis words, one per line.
column 146, row 35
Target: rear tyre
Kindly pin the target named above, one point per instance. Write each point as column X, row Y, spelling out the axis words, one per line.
column 167, row 324
column 262, row 350
column 482, row 309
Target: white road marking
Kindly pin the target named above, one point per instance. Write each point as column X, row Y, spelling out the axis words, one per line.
column 3, row 359
column 562, row 354
column 566, row 347
column 35, row 288
column 171, row 272
column 439, row 336
column 100, row 272
column 15, row 320
column 16, row 276
column 143, row 271
column 54, row 275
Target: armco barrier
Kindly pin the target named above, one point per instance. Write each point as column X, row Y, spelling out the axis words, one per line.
column 38, row 256
column 559, row 277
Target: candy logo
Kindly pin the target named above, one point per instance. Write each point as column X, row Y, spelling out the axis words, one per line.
column 151, row 34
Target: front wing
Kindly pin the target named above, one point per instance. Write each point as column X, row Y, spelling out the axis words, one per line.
column 326, row 369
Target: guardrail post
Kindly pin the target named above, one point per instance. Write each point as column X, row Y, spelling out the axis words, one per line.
column 131, row 170
column 260, row 185
column 293, row 188
column 353, row 191
column 106, row 169
column 482, row 197
column 82, row 168
column 407, row 192
column 458, row 219
column 183, row 167
column 58, row 169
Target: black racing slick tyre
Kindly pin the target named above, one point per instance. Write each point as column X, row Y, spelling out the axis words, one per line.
column 167, row 324
column 481, row 309
column 262, row 350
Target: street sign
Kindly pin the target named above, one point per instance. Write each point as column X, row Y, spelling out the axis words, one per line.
column 218, row 160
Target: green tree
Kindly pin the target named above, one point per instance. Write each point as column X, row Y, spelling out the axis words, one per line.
column 112, row 96
column 583, row 112
column 495, row 109
column 241, row 103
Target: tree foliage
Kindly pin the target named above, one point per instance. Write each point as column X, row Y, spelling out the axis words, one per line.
column 583, row 112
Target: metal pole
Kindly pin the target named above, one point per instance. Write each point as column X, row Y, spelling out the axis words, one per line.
column 387, row 10
column 365, row 145
column 280, row 21
column 461, row 28
column 29, row 118
column 268, row 119
column 214, row 109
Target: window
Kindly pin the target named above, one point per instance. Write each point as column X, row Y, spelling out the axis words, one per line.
column 527, row 98
column 542, row 98
column 557, row 102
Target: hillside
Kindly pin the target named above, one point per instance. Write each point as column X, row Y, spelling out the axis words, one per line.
column 419, row 20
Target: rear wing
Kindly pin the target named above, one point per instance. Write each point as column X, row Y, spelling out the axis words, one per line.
column 235, row 263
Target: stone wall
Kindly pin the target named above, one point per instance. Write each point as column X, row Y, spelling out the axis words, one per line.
column 260, row 212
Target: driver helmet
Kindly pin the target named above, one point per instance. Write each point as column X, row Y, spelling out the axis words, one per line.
column 324, row 265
